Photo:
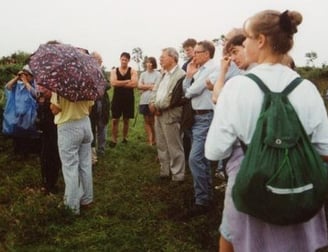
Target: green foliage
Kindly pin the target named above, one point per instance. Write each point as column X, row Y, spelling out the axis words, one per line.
column 310, row 58
column 319, row 76
column 16, row 58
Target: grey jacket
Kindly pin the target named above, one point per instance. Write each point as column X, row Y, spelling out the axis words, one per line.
column 172, row 114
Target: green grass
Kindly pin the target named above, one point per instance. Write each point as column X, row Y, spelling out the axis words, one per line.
column 133, row 211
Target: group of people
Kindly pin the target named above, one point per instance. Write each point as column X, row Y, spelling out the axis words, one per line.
column 225, row 107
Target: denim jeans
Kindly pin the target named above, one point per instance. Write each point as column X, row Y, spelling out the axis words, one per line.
column 199, row 165
column 74, row 145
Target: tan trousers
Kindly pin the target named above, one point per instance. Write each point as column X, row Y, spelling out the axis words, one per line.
column 170, row 148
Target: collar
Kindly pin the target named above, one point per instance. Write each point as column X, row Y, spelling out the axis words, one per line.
column 172, row 70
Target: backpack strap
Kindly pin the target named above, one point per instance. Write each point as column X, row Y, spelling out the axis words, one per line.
column 259, row 82
column 266, row 90
column 292, row 85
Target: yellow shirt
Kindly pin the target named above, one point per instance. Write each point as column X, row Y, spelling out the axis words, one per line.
column 70, row 111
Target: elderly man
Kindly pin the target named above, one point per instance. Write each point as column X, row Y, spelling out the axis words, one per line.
column 198, row 71
column 167, row 119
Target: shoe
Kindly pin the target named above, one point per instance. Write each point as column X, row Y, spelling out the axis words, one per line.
column 162, row 179
column 124, row 141
column 86, row 206
column 197, row 210
column 221, row 175
column 112, row 144
column 101, row 152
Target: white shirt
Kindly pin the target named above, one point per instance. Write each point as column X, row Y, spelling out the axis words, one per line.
column 148, row 78
column 201, row 97
column 240, row 102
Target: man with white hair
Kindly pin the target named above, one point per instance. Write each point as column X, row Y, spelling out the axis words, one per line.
column 167, row 119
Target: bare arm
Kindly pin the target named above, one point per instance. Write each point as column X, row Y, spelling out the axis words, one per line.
column 134, row 79
column 115, row 82
column 144, row 86
column 225, row 63
column 54, row 109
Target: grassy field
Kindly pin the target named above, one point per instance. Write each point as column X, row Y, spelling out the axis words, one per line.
column 133, row 210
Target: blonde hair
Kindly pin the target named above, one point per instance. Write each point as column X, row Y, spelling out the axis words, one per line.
column 279, row 28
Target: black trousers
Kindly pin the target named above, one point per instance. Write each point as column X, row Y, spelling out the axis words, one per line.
column 50, row 161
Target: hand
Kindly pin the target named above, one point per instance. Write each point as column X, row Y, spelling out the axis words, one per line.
column 54, row 109
column 225, row 63
column 23, row 78
column 152, row 108
column 19, row 75
column 209, row 85
column 192, row 68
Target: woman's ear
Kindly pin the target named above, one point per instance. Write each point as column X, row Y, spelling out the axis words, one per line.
column 261, row 41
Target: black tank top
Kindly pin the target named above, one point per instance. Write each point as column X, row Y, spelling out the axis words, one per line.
column 121, row 91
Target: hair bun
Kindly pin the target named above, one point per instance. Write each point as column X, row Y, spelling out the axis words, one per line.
column 285, row 23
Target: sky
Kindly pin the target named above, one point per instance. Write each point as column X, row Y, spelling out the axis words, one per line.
column 113, row 26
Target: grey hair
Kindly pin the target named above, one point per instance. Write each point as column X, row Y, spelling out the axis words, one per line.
column 172, row 52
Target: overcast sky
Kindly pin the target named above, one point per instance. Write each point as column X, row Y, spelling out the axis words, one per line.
column 113, row 26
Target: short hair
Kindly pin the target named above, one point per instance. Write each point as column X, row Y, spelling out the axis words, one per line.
column 126, row 55
column 236, row 40
column 190, row 42
column 152, row 61
column 172, row 52
column 208, row 46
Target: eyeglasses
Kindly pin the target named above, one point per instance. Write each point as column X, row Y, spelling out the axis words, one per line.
column 198, row 52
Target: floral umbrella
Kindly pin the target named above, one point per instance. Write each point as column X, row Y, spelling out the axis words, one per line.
column 68, row 71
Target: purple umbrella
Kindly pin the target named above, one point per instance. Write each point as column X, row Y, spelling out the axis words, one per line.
column 68, row 71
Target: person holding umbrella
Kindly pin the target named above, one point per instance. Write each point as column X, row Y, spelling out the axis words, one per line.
column 76, row 81
column 74, row 144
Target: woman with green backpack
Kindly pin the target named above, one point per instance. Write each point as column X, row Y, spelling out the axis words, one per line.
column 269, row 36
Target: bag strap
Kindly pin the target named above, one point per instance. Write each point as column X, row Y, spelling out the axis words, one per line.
column 292, row 85
column 266, row 90
column 259, row 82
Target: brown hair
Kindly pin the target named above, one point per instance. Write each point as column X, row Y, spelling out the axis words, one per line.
column 208, row 46
column 153, row 62
column 190, row 42
column 126, row 55
column 236, row 40
column 279, row 28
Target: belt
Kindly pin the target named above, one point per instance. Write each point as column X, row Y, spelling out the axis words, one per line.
column 202, row 111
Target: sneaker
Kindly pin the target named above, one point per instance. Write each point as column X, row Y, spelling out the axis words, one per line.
column 101, row 152
column 124, row 141
column 221, row 175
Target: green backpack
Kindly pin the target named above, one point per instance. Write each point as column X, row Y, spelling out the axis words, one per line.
column 282, row 179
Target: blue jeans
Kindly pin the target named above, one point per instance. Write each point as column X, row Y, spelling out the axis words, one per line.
column 199, row 165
